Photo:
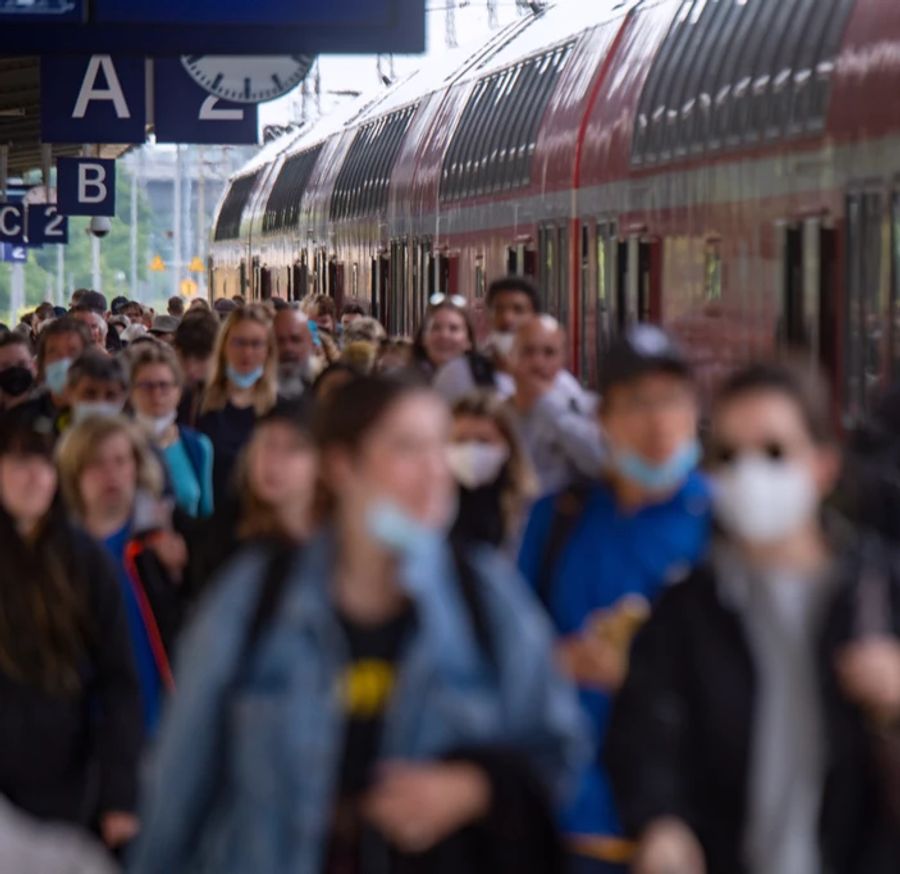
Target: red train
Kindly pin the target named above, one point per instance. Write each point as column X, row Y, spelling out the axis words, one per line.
column 727, row 168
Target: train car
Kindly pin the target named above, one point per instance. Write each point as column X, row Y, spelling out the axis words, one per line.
column 726, row 168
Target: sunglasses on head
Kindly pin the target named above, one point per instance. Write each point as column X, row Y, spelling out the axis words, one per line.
column 724, row 455
column 456, row 300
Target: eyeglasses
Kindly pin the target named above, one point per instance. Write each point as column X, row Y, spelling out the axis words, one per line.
column 456, row 300
column 724, row 455
column 149, row 387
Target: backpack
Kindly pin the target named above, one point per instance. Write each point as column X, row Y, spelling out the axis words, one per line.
column 282, row 561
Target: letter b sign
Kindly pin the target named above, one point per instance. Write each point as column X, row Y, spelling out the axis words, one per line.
column 86, row 186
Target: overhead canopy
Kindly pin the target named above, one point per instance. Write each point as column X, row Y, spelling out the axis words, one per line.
column 20, row 117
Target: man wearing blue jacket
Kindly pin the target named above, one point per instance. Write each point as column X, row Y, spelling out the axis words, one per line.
column 599, row 554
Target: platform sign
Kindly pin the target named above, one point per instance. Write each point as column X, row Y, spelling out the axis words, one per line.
column 186, row 113
column 86, row 186
column 93, row 99
column 11, row 254
column 159, row 28
column 47, row 225
column 12, row 223
column 278, row 13
column 42, row 10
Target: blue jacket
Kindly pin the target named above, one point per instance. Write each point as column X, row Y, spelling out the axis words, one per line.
column 245, row 777
column 608, row 555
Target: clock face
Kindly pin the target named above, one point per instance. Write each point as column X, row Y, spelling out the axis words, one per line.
column 247, row 79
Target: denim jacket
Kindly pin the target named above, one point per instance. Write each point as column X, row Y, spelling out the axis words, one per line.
column 245, row 776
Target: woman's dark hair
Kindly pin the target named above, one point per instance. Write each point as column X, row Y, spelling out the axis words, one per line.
column 336, row 369
column 420, row 355
column 349, row 413
column 45, row 627
column 793, row 379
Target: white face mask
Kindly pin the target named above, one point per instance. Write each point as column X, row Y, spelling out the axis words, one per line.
column 476, row 464
column 87, row 409
column 156, row 426
column 501, row 343
column 763, row 501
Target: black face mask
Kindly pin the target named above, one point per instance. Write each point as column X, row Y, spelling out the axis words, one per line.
column 15, row 381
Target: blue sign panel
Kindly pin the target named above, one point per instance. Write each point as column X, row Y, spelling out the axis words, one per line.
column 13, row 254
column 280, row 13
column 93, row 99
column 42, row 10
column 222, row 27
column 12, row 223
column 86, row 186
column 185, row 113
column 46, row 225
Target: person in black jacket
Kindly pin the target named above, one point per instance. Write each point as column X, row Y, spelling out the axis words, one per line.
column 762, row 703
column 70, row 721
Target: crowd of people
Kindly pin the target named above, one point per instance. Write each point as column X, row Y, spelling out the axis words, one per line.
column 282, row 592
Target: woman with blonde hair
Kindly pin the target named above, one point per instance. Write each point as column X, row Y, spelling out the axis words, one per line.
column 112, row 484
column 243, row 388
column 496, row 480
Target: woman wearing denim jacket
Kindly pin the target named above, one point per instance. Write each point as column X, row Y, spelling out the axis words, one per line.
column 369, row 724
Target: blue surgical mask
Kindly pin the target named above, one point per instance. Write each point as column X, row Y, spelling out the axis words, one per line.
column 56, row 373
column 659, row 478
column 87, row 409
column 244, row 380
column 396, row 530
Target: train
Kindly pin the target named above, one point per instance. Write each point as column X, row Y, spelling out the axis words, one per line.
column 728, row 169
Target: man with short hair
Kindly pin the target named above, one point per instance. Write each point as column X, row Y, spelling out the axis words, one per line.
column 17, row 370
column 97, row 385
column 195, row 342
column 175, row 307
column 557, row 418
column 597, row 555
column 296, row 352
column 511, row 300
column 60, row 343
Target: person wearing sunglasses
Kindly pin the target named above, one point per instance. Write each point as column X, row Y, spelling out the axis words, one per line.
column 511, row 301
column 761, row 713
column 599, row 553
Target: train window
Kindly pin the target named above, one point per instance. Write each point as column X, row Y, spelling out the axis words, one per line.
column 283, row 205
column 732, row 65
column 364, row 179
column 865, row 338
column 495, row 138
column 228, row 224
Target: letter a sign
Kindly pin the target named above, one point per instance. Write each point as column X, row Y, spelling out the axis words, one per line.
column 86, row 186
column 93, row 99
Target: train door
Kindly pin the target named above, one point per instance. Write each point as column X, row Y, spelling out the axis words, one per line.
column 400, row 286
column 809, row 312
column 601, row 284
column 300, row 278
column 638, row 272
column 521, row 261
column 380, row 286
column 553, row 270
column 336, row 276
column 242, row 279
column 865, row 337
